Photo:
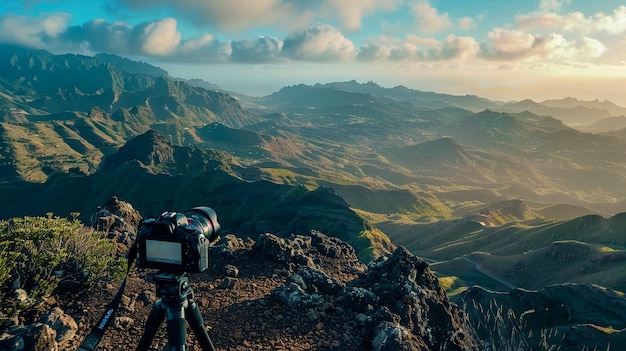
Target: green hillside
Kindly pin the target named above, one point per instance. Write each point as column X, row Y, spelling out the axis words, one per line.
column 529, row 252
column 452, row 178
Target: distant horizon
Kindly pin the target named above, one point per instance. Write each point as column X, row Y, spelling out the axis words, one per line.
column 269, row 85
column 499, row 50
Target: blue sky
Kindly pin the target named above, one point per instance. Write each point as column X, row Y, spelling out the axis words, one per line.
column 504, row 50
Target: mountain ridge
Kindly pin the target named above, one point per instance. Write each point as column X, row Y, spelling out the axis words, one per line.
column 189, row 174
column 459, row 180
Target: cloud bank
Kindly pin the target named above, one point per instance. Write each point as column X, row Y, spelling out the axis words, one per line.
column 546, row 35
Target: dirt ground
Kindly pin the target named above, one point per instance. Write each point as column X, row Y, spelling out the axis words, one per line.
column 242, row 316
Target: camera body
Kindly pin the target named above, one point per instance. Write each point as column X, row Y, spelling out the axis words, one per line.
column 177, row 242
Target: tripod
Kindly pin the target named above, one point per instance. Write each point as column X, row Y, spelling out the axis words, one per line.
column 176, row 302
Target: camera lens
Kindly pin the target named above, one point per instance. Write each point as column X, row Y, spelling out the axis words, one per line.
column 205, row 219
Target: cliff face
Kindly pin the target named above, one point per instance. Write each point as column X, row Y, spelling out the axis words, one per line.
column 302, row 292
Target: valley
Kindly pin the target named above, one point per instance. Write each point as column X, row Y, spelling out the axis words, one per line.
column 500, row 195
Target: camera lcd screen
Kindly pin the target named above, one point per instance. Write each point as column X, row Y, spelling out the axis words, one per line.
column 164, row 252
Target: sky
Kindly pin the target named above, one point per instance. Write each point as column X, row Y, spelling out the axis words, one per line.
column 502, row 50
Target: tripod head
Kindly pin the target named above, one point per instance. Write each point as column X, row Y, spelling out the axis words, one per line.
column 172, row 286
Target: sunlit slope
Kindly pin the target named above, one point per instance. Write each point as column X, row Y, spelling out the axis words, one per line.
column 530, row 252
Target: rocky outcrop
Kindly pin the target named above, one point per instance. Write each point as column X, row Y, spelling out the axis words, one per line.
column 119, row 219
column 394, row 303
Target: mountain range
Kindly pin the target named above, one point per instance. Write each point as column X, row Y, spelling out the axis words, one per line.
column 499, row 194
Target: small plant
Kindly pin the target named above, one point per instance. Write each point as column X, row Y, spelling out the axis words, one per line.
column 39, row 253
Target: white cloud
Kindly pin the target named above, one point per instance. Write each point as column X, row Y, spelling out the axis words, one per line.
column 422, row 41
column 455, row 48
column 192, row 45
column 155, row 38
column 160, row 38
column 259, row 50
column 204, row 49
column 614, row 23
column 429, row 20
column 35, row 32
column 516, row 45
column 544, row 35
column 100, row 36
column 374, row 52
column 352, row 12
column 510, row 44
column 420, row 49
column 560, row 49
column 318, row 43
column 407, row 52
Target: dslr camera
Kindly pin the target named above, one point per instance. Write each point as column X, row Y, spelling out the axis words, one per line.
column 177, row 242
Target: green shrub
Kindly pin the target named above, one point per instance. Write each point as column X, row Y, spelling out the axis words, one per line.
column 38, row 253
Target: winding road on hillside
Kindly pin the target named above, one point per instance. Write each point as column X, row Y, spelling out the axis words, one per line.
column 479, row 267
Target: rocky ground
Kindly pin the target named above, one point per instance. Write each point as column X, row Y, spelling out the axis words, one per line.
column 238, row 310
column 252, row 299
column 304, row 292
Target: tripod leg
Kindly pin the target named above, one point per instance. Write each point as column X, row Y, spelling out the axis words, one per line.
column 194, row 317
column 155, row 318
column 177, row 334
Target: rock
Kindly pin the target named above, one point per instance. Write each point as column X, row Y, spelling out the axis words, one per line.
column 63, row 324
column 231, row 271
column 330, row 246
column 33, row 337
column 405, row 286
column 274, row 248
column 123, row 323
column 383, row 314
column 119, row 219
column 394, row 337
column 298, row 280
column 128, row 304
column 312, row 315
column 359, row 299
column 320, row 281
column 320, row 296
column 294, row 296
column 147, row 297
column 225, row 247
column 10, row 342
column 304, row 289
column 21, row 296
column 397, row 301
